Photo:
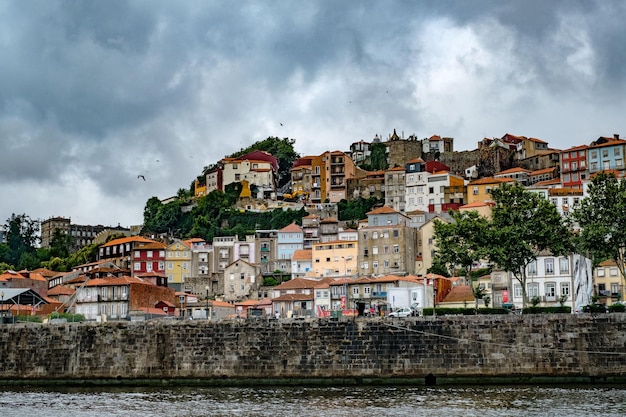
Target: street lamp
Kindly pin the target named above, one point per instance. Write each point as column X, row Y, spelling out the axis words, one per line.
column 207, row 302
column 2, row 301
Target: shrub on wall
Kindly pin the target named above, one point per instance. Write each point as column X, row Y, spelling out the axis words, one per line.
column 547, row 310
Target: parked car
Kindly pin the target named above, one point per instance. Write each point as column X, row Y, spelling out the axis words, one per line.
column 402, row 312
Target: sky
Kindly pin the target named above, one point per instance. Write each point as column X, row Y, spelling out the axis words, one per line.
column 95, row 93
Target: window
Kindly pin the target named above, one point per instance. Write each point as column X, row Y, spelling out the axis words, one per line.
column 615, row 288
column 550, row 291
column 386, row 263
column 396, row 233
column 564, row 288
column 136, row 254
column 375, row 250
column 137, row 266
column 396, row 248
column 374, row 235
column 613, row 271
column 375, row 264
column 563, row 266
column 605, row 153
column 475, row 191
column 517, row 291
column 365, row 252
column 565, row 166
column 532, row 268
column 532, row 290
column 549, row 264
column 365, row 265
column 616, row 151
column 600, row 272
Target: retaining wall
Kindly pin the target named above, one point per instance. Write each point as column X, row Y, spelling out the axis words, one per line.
column 567, row 347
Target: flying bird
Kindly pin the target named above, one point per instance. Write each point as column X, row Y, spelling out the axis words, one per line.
column 281, row 124
column 141, row 176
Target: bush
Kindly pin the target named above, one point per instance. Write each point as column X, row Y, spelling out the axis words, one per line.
column 68, row 316
column 464, row 311
column 617, row 308
column 595, row 308
column 546, row 310
column 34, row 319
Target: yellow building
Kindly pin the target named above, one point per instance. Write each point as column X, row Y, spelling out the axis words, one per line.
column 335, row 259
column 608, row 282
column 480, row 190
column 177, row 264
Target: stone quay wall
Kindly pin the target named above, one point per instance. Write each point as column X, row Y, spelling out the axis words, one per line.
column 423, row 349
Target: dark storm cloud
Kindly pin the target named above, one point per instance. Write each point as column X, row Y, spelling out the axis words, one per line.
column 95, row 93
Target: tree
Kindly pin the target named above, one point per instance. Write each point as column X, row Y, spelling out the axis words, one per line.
column 462, row 243
column 22, row 234
column 524, row 224
column 602, row 220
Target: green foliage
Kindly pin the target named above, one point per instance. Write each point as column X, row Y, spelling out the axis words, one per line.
column 357, row 209
column 75, row 318
column 522, row 225
column 535, row 301
column 28, row 318
column 462, row 242
column 602, row 219
column 439, row 268
column 460, row 311
column 547, row 310
column 60, row 244
column 22, row 235
column 4, row 267
column 617, row 308
column 270, row 282
column 377, row 159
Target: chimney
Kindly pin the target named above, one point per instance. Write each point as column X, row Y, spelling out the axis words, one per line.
column 616, row 136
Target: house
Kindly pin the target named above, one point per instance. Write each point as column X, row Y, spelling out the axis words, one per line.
column 296, row 295
column 117, row 297
column 395, row 184
column 609, row 283
column 334, row 259
column 120, row 251
column 460, row 296
column 178, row 263
column 24, row 279
column 574, row 167
column 480, row 189
column 301, row 263
column 290, row 239
column 241, row 279
column 605, row 154
column 518, row 174
column 148, row 258
column 387, row 245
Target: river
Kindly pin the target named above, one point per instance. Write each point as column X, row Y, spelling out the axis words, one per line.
column 466, row 401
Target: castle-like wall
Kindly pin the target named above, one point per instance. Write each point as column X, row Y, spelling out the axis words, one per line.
column 455, row 347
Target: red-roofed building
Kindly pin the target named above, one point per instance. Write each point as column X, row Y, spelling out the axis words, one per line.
column 148, row 258
column 117, row 297
column 120, row 251
column 574, row 169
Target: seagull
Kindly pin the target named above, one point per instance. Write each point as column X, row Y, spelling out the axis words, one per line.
column 141, row 176
column 281, row 124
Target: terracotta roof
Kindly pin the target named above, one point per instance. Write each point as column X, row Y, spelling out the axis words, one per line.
column 292, row 228
column 383, row 210
column 329, row 220
column 45, row 272
column 543, row 171
column 98, row 282
column 460, row 293
column 477, row 204
column 397, row 169
column 150, row 246
column 129, row 239
column 296, row 284
column 552, row 181
column 293, row 297
column 217, row 303
column 490, row 180
column 415, row 160
column 537, row 140
column 512, row 170
column 61, row 290
column 302, row 255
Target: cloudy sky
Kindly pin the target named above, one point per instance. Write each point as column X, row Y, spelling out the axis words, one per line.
column 95, row 93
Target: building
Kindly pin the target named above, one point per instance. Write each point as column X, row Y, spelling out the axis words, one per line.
column 395, row 188
column 301, row 263
column 178, row 264
column 290, row 239
column 480, row 190
column 241, row 279
column 120, row 251
column 116, row 297
column 606, row 154
column 387, row 245
column 330, row 172
column 334, row 259
column 148, row 258
column 574, row 171
column 80, row 235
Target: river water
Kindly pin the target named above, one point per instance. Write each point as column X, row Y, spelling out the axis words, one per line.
column 466, row 401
